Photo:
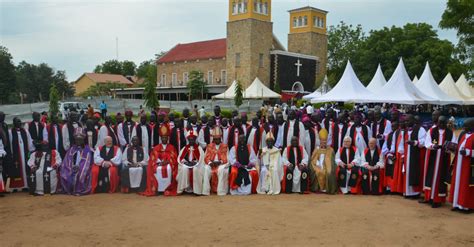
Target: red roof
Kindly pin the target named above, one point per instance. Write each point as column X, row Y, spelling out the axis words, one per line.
column 198, row 50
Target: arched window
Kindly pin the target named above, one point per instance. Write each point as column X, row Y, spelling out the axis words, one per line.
column 255, row 5
column 245, row 6
column 322, row 23
column 305, row 21
column 300, row 21
column 295, row 22
column 265, row 8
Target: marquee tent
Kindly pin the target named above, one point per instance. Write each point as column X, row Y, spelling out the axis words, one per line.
column 415, row 80
column 323, row 89
column 428, row 85
column 378, row 81
column 229, row 93
column 348, row 89
column 400, row 89
column 464, row 86
column 449, row 86
column 257, row 90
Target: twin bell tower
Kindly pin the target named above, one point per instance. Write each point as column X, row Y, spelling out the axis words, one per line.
column 250, row 39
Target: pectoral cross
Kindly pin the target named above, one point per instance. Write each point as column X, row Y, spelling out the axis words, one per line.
column 46, row 176
column 298, row 66
column 32, row 177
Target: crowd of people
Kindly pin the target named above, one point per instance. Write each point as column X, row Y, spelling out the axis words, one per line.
column 279, row 151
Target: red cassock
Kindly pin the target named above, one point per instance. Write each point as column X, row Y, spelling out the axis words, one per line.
column 463, row 190
column 211, row 152
column 397, row 181
column 164, row 154
column 112, row 171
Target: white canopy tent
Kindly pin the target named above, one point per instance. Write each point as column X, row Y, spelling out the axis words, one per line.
column 428, row 85
column 415, row 80
column 464, row 86
column 378, row 81
column 348, row 89
column 257, row 90
column 400, row 89
column 229, row 93
column 322, row 90
column 449, row 86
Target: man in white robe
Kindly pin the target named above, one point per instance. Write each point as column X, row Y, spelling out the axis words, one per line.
column 348, row 164
column 295, row 159
column 271, row 168
column 134, row 167
column 70, row 129
column 243, row 175
column 190, row 163
column 44, row 164
column 21, row 145
column 144, row 133
column 293, row 127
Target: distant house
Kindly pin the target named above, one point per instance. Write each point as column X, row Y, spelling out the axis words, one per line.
column 90, row 79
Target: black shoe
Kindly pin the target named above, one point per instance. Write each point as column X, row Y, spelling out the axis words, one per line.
column 465, row 211
column 423, row 201
column 436, row 205
column 454, row 209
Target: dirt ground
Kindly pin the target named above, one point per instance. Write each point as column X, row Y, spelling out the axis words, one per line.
column 284, row 220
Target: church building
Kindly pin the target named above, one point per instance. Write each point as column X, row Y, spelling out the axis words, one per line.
column 251, row 50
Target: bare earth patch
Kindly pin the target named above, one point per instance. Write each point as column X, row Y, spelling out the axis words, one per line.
column 296, row 220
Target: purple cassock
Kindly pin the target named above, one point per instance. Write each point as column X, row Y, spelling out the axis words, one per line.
column 76, row 171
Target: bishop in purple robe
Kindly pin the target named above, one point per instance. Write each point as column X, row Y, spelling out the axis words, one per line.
column 76, row 168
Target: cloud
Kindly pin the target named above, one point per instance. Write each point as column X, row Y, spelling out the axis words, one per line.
column 77, row 35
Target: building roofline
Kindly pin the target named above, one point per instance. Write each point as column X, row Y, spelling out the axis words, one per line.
column 308, row 8
column 293, row 54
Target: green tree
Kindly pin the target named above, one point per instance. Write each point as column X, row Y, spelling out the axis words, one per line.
column 53, row 100
column 149, row 94
column 196, row 85
column 109, row 67
column 417, row 43
column 238, row 97
column 344, row 41
column 459, row 15
column 147, row 71
column 129, row 68
column 7, row 78
column 65, row 89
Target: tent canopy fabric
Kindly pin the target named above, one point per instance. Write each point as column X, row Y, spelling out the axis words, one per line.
column 348, row 89
column 323, row 89
column 229, row 93
column 378, row 81
column 464, row 86
column 415, row 80
column 400, row 89
column 257, row 90
column 449, row 86
column 428, row 85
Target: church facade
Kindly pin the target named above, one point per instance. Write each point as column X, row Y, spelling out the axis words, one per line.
column 251, row 50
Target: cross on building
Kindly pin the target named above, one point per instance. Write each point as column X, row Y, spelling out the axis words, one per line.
column 298, row 66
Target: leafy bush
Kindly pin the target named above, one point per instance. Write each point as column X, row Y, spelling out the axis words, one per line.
column 227, row 113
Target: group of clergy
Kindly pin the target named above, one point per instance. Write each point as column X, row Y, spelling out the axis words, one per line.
column 347, row 153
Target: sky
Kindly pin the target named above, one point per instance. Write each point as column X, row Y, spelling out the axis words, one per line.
column 76, row 35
